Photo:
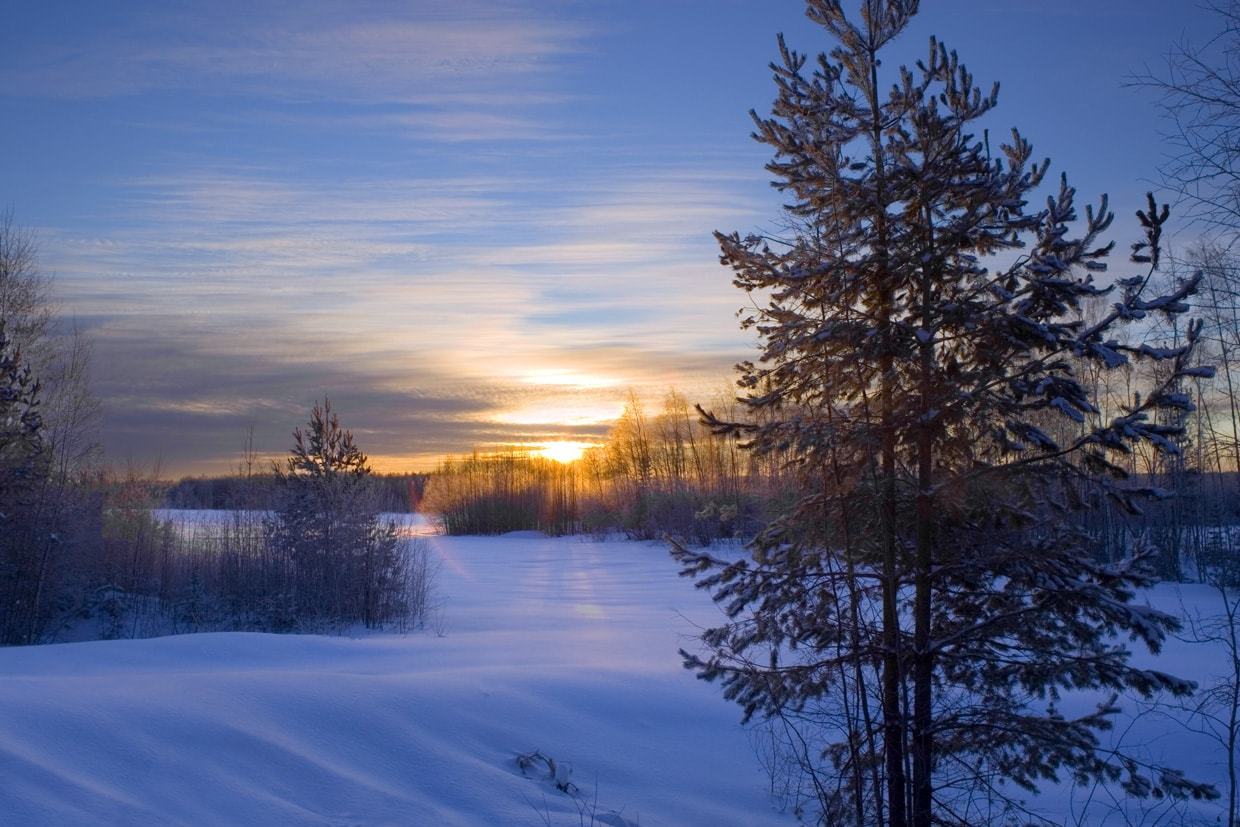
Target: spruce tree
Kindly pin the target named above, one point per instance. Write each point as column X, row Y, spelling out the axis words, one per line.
column 928, row 598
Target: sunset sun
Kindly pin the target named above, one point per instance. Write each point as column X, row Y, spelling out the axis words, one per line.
column 564, row 452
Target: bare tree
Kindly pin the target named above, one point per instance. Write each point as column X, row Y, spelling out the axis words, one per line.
column 1199, row 91
column 1215, row 710
column 25, row 298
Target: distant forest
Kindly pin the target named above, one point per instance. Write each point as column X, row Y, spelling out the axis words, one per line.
column 397, row 493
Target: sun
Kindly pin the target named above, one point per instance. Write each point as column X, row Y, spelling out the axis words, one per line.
column 565, row 452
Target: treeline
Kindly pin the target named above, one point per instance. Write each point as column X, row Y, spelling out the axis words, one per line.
column 320, row 558
column 667, row 474
column 51, row 496
column 395, row 493
column 1199, row 478
column 655, row 475
column 85, row 553
column 317, row 556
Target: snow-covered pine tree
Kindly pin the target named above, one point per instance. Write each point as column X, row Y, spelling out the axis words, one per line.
column 917, row 614
column 346, row 567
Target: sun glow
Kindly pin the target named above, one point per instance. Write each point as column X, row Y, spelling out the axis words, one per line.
column 565, row 452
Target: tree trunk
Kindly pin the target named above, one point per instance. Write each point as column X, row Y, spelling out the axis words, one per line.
column 894, row 729
column 923, row 656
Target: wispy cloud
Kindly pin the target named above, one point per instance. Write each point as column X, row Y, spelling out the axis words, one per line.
column 309, row 50
column 401, row 205
column 434, row 313
column 468, row 221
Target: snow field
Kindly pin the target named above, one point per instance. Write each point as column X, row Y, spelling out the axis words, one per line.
column 566, row 646
column 562, row 645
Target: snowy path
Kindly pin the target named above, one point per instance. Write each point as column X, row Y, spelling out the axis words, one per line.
column 567, row 646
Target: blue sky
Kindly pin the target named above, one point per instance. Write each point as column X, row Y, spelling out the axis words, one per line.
column 469, row 223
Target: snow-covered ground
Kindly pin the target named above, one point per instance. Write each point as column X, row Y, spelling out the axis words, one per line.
column 1161, row 731
column 566, row 646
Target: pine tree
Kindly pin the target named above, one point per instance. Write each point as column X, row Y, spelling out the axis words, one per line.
column 344, row 558
column 922, row 607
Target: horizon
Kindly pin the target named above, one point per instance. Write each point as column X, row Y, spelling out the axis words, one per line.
column 469, row 225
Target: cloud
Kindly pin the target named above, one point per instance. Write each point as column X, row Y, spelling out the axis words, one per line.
column 190, row 399
column 307, row 51
column 438, row 312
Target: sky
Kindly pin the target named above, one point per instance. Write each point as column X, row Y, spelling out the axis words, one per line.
column 468, row 223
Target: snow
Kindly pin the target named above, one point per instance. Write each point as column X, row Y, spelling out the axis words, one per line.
column 562, row 646
column 566, row 646
column 1158, row 730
